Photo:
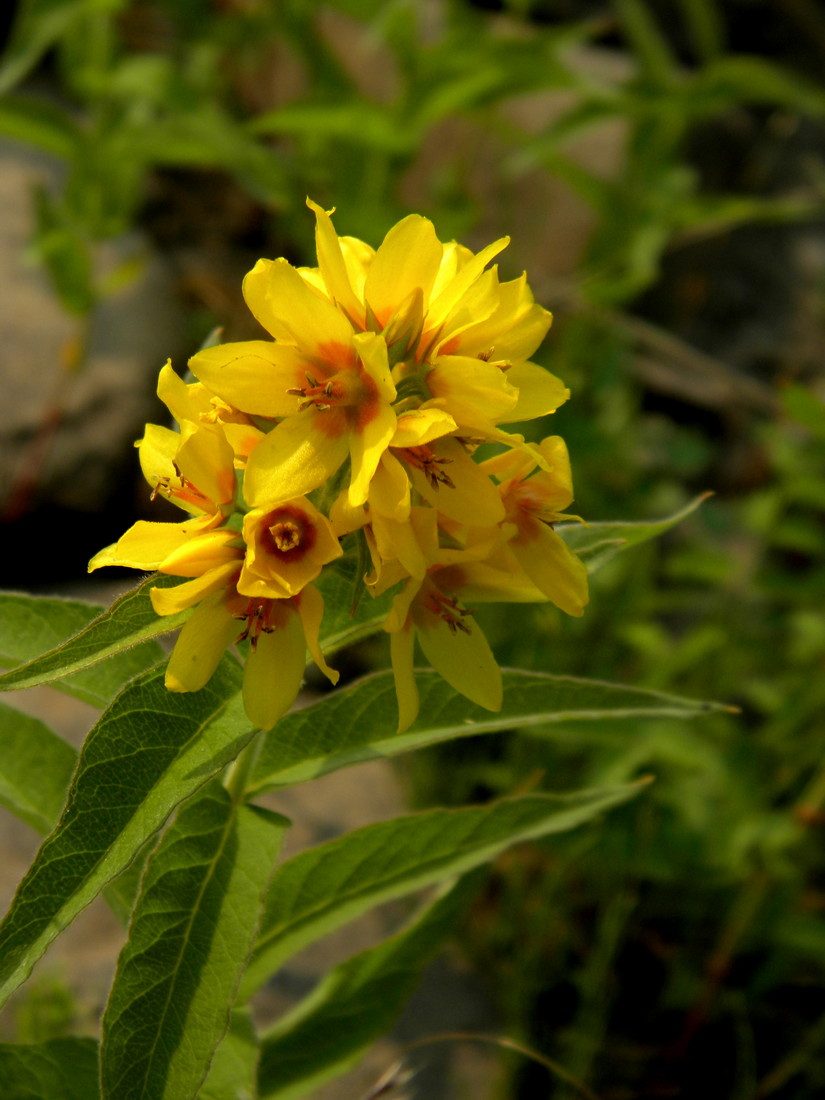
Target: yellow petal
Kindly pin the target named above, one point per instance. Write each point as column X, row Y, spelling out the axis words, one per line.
column 296, row 457
column 358, row 256
column 201, row 552
column 157, row 450
column 402, row 646
column 273, row 671
column 332, row 266
column 454, row 291
column 397, row 542
column 462, row 658
column 422, row 426
column 514, row 464
column 253, row 375
column 470, row 390
column 472, row 498
column 513, row 331
column 311, row 609
column 366, row 448
column 243, row 439
column 390, row 489
column 408, row 259
column 143, row 546
column 553, row 567
column 168, row 601
column 372, row 351
column 399, row 613
column 200, row 645
column 539, row 392
column 291, row 310
column 206, row 460
column 345, row 519
column 501, row 580
column 480, row 301
column 184, row 401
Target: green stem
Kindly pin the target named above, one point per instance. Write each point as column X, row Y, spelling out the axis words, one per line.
column 238, row 772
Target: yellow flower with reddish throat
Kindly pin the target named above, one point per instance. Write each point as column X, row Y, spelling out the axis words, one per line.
column 329, row 393
column 535, row 487
column 272, row 595
column 358, row 416
column 250, row 585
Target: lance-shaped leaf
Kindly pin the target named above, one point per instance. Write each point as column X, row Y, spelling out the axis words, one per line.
column 233, row 1074
column 331, row 884
column 64, row 642
column 61, row 1069
column 354, row 1005
column 359, row 723
column 29, row 621
column 35, row 769
column 191, row 933
column 597, row 543
column 150, row 750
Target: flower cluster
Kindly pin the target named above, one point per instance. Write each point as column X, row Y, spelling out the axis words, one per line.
column 386, row 370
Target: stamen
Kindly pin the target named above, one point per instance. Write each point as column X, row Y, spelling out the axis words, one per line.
column 315, row 393
column 186, row 491
column 423, row 459
column 258, row 616
column 449, row 611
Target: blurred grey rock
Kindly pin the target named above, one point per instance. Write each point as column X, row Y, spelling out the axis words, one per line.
column 105, row 404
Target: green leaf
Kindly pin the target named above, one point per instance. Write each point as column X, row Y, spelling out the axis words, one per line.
column 35, row 769
column 57, row 640
column 191, row 933
column 149, row 752
column 331, row 884
column 61, row 1069
column 598, row 543
column 359, row 723
column 62, row 243
column 736, row 79
column 354, row 1005
column 129, row 622
column 38, row 26
column 359, row 122
column 806, row 408
column 233, row 1074
column 39, row 123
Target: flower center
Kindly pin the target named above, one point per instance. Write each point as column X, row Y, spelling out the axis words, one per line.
column 288, row 533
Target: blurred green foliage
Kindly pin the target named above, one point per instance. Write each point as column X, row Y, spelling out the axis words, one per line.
column 681, row 951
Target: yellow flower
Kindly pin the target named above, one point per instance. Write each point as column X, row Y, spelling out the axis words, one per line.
column 264, row 585
column 371, row 335
column 330, row 391
column 286, row 548
column 279, row 632
column 431, row 608
column 461, row 339
column 432, row 611
column 532, row 505
column 383, row 371
column 252, row 584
